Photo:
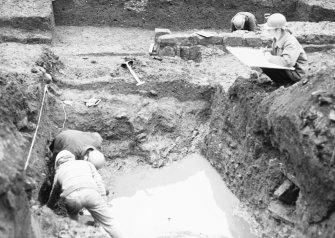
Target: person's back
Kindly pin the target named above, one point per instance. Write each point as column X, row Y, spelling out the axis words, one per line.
column 75, row 174
column 81, row 186
column 244, row 21
column 77, row 142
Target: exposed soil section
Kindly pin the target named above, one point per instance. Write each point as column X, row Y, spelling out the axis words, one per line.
column 172, row 14
column 261, row 136
column 177, row 14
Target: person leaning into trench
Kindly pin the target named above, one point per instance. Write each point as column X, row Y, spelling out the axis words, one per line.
column 82, row 144
column 81, row 186
column 286, row 51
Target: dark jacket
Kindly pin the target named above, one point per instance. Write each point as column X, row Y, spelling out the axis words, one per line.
column 77, row 142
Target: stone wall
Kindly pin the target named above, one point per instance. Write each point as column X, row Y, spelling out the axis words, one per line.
column 313, row 36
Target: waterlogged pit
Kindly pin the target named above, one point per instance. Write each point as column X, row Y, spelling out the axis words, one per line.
column 184, row 199
column 160, row 124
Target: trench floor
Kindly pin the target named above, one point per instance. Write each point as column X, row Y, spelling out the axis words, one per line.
column 184, row 199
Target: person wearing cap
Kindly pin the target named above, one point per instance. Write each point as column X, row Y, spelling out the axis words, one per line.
column 286, row 51
column 82, row 144
column 243, row 21
column 81, row 186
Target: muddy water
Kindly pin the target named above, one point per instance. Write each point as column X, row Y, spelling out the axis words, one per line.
column 184, row 199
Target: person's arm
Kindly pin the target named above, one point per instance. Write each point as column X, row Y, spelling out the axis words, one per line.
column 232, row 26
column 55, row 193
column 288, row 57
column 99, row 182
column 252, row 23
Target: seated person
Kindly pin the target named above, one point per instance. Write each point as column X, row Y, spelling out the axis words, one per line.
column 82, row 144
column 243, row 21
column 80, row 184
column 286, row 51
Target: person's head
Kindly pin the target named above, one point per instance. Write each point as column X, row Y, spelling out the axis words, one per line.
column 62, row 157
column 275, row 25
column 95, row 157
column 239, row 21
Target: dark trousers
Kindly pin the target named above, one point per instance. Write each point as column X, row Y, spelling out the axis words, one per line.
column 282, row 76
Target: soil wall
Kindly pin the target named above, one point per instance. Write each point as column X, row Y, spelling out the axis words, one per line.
column 261, row 136
column 21, row 92
column 172, row 14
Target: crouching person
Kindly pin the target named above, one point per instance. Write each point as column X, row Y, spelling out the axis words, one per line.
column 286, row 51
column 81, row 186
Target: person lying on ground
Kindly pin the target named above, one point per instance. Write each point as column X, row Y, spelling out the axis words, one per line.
column 286, row 51
column 243, row 21
column 82, row 144
column 81, row 186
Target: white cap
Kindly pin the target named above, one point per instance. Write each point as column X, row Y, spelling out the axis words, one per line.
column 62, row 157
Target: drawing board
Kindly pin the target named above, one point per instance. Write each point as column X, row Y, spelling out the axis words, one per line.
column 254, row 58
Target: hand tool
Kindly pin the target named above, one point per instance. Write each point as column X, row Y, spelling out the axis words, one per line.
column 128, row 64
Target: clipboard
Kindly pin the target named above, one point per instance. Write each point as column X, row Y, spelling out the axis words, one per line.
column 254, row 58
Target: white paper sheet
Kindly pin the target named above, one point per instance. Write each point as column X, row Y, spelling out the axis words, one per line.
column 253, row 58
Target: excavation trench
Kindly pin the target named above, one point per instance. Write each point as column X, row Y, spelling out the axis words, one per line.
column 160, row 185
column 142, row 135
column 155, row 137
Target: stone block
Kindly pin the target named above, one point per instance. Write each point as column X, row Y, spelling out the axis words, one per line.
column 167, row 51
column 196, row 39
column 174, row 39
column 184, row 52
column 160, row 32
column 287, row 192
column 252, row 40
column 233, row 41
column 195, row 53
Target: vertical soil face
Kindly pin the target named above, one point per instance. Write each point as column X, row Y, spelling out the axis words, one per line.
column 21, row 92
column 172, row 14
column 261, row 136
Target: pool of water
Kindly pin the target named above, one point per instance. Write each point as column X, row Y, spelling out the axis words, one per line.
column 184, row 199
